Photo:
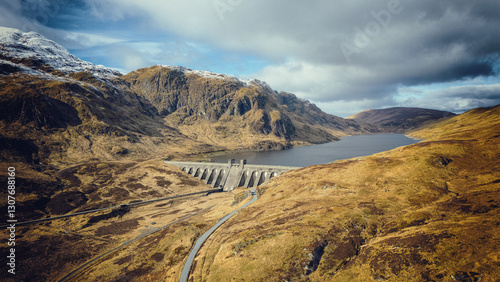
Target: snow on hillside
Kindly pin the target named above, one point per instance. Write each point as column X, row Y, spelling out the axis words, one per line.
column 209, row 74
column 16, row 44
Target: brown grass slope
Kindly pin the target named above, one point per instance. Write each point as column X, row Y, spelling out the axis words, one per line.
column 226, row 111
column 424, row 212
column 400, row 119
column 78, row 117
column 48, row 251
column 76, row 142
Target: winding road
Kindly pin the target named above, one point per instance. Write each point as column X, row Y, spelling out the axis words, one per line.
column 204, row 237
column 88, row 263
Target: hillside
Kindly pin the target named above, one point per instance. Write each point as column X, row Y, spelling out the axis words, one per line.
column 399, row 119
column 424, row 212
column 57, row 109
column 48, row 251
column 82, row 137
column 238, row 114
column 480, row 123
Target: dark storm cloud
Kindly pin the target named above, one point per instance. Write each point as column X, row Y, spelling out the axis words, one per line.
column 457, row 98
column 355, row 51
column 64, row 21
column 486, row 92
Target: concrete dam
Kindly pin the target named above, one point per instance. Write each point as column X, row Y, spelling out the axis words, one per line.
column 231, row 174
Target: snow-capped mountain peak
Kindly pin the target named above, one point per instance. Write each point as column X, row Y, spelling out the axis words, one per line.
column 209, row 74
column 16, row 45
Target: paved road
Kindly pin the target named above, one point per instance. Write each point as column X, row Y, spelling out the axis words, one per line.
column 81, row 267
column 204, row 237
column 113, row 207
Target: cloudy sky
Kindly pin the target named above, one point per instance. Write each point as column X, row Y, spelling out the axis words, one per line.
column 343, row 55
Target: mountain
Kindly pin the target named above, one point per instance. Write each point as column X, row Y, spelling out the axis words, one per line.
column 58, row 109
column 31, row 53
column 237, row 113
column 399, row 119
column 73, row 110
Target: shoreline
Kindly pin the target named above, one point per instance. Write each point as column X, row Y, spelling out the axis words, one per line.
column 240, row 154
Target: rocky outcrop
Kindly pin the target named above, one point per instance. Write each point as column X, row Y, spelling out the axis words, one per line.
column 38, row 109
column 194, row 99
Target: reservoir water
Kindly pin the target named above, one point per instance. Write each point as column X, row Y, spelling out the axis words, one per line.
column 348, row 147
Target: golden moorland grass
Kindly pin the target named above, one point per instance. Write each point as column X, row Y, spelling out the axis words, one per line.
column 49, row 250
column 428, row 211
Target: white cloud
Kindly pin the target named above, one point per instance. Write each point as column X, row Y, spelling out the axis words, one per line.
column 326, row 82
column 395, row 44
column 457, row 99
column 407, row 43
column 88, row 40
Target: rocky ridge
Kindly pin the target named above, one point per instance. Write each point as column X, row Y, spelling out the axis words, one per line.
column 29, row 51
column 66, row 110
column 227, row 107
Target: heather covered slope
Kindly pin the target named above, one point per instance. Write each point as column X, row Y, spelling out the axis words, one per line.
column 219, row 109
column 48, row 251
column 424, row 212
column 399, row 119
column 480, row 123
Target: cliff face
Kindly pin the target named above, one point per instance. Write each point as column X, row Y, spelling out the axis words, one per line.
column 70, row 120
column 212, row 107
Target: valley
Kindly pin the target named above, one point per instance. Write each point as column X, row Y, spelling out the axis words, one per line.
column 86, row 138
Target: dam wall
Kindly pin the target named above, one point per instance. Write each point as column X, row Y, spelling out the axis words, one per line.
column 231, row 174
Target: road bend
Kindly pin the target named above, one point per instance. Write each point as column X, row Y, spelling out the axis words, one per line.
column 88, row 263
column 189, row 262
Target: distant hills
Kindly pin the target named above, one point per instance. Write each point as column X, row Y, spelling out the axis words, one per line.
column 400, row 119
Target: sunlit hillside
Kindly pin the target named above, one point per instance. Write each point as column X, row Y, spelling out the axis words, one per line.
column 424, row 212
